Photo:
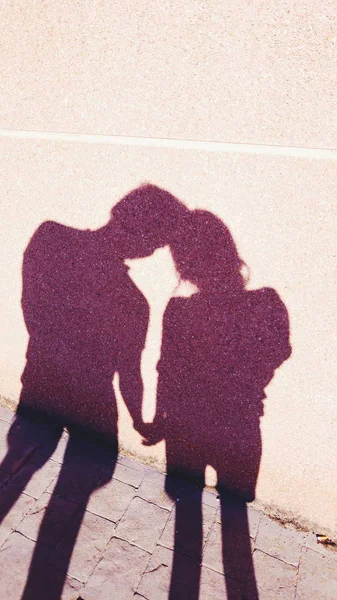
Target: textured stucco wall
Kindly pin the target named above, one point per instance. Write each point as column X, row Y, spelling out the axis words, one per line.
column 256, row 84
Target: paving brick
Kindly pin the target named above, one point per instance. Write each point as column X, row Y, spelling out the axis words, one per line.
column 76, row 482
column 238, row 549
column 91, row 541
column 59, row 452
column 152, row 489
column 235, row 518
column 111, row 501
column 12, row 459
column 312, row 543
column 3, row 454
column 210, row 499
column 186, row 542
column 39, row 480
column 71, row 591
column 155, row 583
column 4, row 428
column 6, row 414
column 132, row 464
column 317, row 576
column 275, row 579
column 59, row 515
column 128, row 475
column 84, row 454
column 17, row 507
column 118, row 574
column 49, row 581
column 142, row 524
column 16, row 556
column 278, row 541
column 213, row 586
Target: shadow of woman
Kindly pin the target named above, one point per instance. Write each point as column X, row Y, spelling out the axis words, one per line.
column 86, row 321
column 220, row 348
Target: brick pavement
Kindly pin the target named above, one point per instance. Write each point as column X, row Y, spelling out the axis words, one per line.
column 85, row 530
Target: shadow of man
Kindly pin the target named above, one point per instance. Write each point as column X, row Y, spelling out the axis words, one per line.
column 86, row 321
column 220, row 348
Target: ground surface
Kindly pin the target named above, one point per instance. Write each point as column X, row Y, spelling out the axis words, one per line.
column 74, row 527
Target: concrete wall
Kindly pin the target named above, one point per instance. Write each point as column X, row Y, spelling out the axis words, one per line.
column 231, row 107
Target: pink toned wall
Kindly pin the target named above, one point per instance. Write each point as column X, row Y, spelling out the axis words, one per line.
column 231, row 107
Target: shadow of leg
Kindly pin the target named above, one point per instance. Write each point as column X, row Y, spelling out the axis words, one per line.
column 30, row 444
column 236, row 544
column 186, row 569
column 87, row 466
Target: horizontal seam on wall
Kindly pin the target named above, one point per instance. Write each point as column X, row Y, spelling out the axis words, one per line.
column 208, row 146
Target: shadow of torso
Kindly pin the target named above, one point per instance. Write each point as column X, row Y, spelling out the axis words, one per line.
column 218, row 355
column 82, row 312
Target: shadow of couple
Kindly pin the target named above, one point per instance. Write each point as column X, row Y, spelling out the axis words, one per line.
column 86, row 321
